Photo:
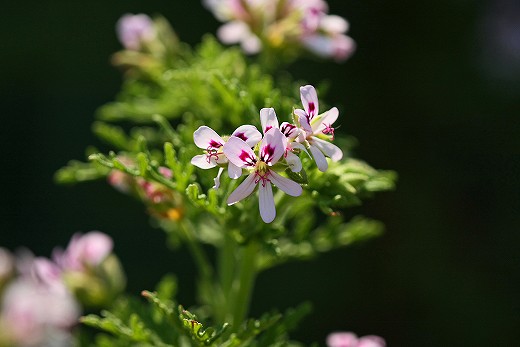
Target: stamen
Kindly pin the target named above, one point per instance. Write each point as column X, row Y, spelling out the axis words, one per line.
column 328, row 130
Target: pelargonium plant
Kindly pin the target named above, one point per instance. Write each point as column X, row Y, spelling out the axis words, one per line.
column 223, row 154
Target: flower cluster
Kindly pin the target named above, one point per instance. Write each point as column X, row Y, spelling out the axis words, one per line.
column 283, row 23
column 40, row 302
column 276, row 148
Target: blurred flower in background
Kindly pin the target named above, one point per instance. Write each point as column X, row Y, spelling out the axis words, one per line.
column 348, row 339
column 283, row 25
column 134, row 31
column 41, row 298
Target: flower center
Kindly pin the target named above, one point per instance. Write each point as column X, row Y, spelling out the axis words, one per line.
column 262, row 173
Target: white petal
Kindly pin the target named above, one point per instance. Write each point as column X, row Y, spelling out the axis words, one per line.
column 233, row 32
column 217, row 179
column 243, row 190
column 205, row 138
column 333, row 24
column 234, row 171
column 294, row 161
column 309, row 100
column 273, row 146
column 319, row 158
column 251, row 44
column 201, row 161
column 266, row 202
column 330, row 150
column 288, row 186
column 303, row 118
column 239, row 153
column 248, row 133
column 342, row 47
column 320, row 45
column 268, row 119
column 328, row 118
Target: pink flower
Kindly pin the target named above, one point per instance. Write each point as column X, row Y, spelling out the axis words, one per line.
column 84, row 251
column 316, row 127
column 348, row 339
column 271, row 150
column 212, row 144
column 134, row 30
column 37, row 308
column 33, row 313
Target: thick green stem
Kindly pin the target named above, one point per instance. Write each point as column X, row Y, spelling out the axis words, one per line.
column 244, row 283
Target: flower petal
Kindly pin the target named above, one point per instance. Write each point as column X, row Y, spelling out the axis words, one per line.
column 309, row 100
column 268, row 119
column 233, row 32
column 205, row 138
column 294, row 161
column 319, row 158
column 288, row 186
column 239, row 153
column 273, row 146
column 201, row 161
column 289, row 130
column 243, row 190
column 248, row 133
column 325, row 119
column 266, row 202
column 371, row 341
column 217, row 179
column 342, row 339
column 234, row 171
column 303, row 118
column 330, row 150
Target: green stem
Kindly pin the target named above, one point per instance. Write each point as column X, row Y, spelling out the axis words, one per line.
column 245, row 284
column 226, row 272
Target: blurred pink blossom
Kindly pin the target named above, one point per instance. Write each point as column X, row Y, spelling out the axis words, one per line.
column 134, row 29
column 84, row 251
column 348, row 339
column 37, row 308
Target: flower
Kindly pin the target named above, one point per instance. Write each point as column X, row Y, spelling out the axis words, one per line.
column 271, row 150
column 212, row 143
column 269, row 120
column 348, row 339
column 84, row 251
column 283, row 24
column 37, row 308
column 135, row 29
column 316, row 127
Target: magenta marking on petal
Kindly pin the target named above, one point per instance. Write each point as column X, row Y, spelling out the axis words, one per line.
column 214, row 144
column 241, row 136
column 247, row 159
column 267, row 153
column 312, row 110
column 287, row 129
column 267, row 128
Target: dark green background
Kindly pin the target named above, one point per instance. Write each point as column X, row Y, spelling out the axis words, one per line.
column 432, row 92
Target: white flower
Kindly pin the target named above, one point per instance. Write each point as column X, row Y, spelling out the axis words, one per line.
column 271, row 150
column 212, row 144
column 317, row 126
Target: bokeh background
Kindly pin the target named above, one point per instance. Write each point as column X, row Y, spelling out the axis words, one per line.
column 432, row 92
